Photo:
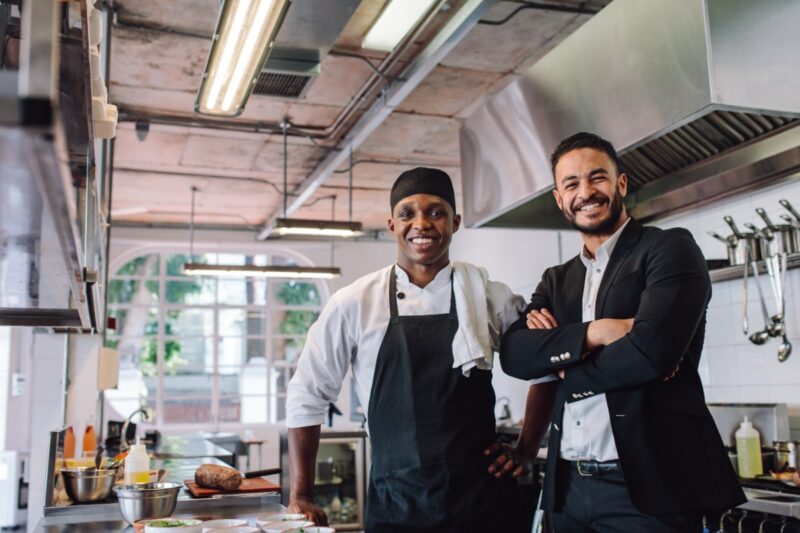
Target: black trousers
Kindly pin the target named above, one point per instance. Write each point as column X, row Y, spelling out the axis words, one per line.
column 601, row 504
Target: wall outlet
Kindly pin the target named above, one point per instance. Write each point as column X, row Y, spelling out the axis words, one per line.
column 19, row 384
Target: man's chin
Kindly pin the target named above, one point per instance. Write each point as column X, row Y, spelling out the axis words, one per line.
column 604, row 226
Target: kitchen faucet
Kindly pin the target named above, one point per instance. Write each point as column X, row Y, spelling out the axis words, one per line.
column 123, row 440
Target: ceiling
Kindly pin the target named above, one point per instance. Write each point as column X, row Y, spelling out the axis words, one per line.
column 158, row 54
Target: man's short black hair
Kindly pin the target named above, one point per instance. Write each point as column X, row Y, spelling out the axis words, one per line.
column 583, row 139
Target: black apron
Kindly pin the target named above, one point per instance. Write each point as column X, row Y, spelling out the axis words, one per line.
column 428, row 427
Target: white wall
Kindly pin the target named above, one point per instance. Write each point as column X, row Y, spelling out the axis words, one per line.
column 5, row 379
column 732, row 368
column 517, row 258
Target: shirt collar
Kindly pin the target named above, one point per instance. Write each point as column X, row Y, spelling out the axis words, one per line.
column 604, row 251
column 441, row 279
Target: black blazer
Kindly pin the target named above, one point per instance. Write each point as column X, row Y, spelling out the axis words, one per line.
column 672, row 455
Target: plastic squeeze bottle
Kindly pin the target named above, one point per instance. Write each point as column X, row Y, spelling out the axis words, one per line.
column 137, row 464
column 748, row 450
column 89, row 439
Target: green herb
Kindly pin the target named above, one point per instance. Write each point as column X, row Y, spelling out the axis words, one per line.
column 168, row 523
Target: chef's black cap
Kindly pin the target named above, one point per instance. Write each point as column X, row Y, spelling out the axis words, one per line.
column 422, row 180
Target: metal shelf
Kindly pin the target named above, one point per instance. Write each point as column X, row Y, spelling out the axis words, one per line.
column 737, row 272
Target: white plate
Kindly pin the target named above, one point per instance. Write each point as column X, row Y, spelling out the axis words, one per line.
column 190, row 526
column 236, row 529
column 268, row 518
column 314, row 529
column 285, row 525
column 223, row 523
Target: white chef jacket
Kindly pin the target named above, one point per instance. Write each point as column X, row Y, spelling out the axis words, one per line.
column 586, row 431
column 351, row 328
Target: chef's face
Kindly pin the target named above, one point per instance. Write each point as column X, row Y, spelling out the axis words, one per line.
column 423, row 225
column 590, row 191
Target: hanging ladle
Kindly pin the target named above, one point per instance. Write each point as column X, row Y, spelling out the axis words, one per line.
column 785, row 349
column 760, row 337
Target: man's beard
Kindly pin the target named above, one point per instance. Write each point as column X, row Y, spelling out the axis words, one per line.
column 604, row 227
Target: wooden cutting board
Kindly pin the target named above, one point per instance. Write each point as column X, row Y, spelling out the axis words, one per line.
column 253, row 484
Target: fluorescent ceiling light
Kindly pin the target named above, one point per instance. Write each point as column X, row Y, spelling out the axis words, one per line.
column 245, row 33
column 253, row 271
column 316, row 228
column 394, row 23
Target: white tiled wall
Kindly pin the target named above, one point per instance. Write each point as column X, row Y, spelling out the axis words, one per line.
column 732, row 368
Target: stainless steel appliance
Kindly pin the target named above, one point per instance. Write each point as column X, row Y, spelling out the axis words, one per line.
column 340, row 484
column 699, row 96
column 14, row 488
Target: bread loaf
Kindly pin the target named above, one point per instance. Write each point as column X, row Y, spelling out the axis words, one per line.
column 217, row 477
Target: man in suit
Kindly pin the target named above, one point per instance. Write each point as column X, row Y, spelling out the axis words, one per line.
column 632, row 444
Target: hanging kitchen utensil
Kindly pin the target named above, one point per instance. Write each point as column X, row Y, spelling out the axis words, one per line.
column 764, row 236
column 781, row 238
column 745, row 323
column 774, row 269
column 785, row 348
column 762, row 336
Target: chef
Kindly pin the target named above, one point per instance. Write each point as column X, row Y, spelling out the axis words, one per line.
column 419, row 336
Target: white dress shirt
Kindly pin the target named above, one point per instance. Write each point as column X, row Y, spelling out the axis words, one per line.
column 350, row 330
column 586, row 432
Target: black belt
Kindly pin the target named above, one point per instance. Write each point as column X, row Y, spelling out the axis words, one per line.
column 588, row 468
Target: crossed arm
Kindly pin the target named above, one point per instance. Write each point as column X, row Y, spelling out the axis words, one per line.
column 610, row 354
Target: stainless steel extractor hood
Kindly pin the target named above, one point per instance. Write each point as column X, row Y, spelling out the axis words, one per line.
column 700, row 97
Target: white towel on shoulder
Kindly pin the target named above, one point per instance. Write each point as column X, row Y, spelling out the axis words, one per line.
column 472, row 345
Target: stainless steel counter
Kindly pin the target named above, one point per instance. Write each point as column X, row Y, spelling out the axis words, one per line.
column 106, row 517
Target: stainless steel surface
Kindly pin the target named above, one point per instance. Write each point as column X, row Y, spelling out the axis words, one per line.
column 785, row 348
column 781, row 238
column 734, row 272
column 106, row 517
column 745, row 321
column 85, row 486
column 680, row 82
column 785, row 453
column 770, row 419
column 150, row 500
column 773, row 503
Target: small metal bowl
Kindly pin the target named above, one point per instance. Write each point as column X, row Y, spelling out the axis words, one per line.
column 147, row 500
column 87, row 485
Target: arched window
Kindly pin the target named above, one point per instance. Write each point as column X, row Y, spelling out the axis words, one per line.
column 214, row 351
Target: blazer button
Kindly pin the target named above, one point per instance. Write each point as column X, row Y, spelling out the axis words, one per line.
column 554, row 359
column 568, row 355
column 574, row 395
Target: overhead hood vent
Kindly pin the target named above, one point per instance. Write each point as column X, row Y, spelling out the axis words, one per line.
column 701, row 139
column 687, row 90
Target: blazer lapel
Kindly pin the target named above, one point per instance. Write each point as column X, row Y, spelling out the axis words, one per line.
column 575, row 280
column 629, row 237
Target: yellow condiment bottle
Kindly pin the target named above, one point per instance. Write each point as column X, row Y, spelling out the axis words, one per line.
column 137, row 465
column 748, row 450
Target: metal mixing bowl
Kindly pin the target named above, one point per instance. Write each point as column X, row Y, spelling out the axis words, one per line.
column 147, row 500
column 85, row 485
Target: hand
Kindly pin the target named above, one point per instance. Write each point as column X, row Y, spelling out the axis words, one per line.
column 605, row 331
column 541, row 319
column 311, row 510
column 508, row 461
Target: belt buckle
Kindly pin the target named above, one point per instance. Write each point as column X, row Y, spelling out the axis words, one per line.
column 580, row 471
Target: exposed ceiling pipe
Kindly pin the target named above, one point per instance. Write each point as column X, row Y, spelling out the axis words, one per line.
column 451, row 34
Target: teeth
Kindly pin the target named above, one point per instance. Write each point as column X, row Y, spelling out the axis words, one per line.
column 587, row 207
column 422, row 240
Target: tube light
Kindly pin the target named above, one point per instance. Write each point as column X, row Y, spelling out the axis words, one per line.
column 253, row 271
column 245, row 33
column 394, row 23
column 316, row 228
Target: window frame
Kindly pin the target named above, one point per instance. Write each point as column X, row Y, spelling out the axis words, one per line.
column 270, row 398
